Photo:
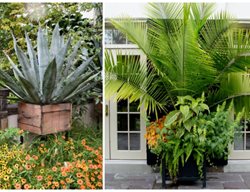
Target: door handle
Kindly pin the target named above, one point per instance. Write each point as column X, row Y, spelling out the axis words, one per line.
column 106, row 110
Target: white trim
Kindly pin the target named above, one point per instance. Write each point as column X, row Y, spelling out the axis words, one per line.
column 132, row 162
column 121, row 46
column 107, row 129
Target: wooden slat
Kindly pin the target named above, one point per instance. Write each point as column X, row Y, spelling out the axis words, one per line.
column 56, row 107
column 29, row 114
column 45, row 119
column 30, row 128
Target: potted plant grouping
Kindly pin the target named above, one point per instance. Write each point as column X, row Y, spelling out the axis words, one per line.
column 190, row 135
column 46, row 81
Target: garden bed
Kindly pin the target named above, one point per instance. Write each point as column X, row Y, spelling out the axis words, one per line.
column 72, row 161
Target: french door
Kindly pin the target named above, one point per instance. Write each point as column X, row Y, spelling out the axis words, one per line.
column 127, row 130
column 241, row 146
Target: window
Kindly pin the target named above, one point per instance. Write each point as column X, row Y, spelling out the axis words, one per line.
column 113, row 36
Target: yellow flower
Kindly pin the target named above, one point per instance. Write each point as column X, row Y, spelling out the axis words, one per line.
column 9, row 171
column 6, row 178
column 42, row 171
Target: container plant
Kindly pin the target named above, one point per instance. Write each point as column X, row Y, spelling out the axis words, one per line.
column 46, row 81
column 190, row 135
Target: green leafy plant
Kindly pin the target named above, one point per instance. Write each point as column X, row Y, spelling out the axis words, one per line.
column 220, row 131
column 46, row 76
column 11, row 135
column 191, row 130
column 189, row 48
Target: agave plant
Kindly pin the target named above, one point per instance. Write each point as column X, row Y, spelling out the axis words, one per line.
column 45, row 76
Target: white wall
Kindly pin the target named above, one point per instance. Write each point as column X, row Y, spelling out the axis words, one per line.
column 137, row 10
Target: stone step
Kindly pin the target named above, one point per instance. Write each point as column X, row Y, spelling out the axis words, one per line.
column 127, row 166
column 237, row 166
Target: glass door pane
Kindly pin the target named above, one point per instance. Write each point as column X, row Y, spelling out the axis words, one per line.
column 128, row 126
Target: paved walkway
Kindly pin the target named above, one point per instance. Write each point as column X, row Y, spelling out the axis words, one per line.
column 215, row 180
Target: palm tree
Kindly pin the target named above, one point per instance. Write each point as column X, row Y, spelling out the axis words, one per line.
column 189, row 50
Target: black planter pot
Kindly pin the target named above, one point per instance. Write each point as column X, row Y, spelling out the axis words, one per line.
column 187, row 173
column 217, row 162
column 152, row 159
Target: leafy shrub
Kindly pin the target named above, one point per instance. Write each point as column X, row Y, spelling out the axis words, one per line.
column 191, row 130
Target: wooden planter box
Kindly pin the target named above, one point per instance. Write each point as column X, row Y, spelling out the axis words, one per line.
column 44, row 119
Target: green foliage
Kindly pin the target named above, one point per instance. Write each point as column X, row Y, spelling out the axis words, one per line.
column 46, row 77
column 21, row 17
column 220, row 131
column 192, row 130
column 53, row 162
column 10, row 135
column 189, row 48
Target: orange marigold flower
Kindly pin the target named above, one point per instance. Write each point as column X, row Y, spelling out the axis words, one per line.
column 56, row 184
column 54, row 169
column 42, row 145
column 96, row 152
column 62, row 182
column 79, row 175
column 96, row 172
column 64, row 174
column 18, row 186
column 26, row 186
column 68, row 180
column 88, row 184
column 79, row 181
column 27, row 157
column 50, row 177
column 35, row 157
column 99, row 177
column 39, row 178
column 83, row 142
column 99, row 184
column 28, row 166
column 23, row 181
column 49, row 183
column 64, row 187
column 82, row 187
column 92, row 179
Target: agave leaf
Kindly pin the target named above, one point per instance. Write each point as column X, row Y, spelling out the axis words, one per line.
column 49, row 81
column 71, row 79
column 43, row 55
column 80, row 90
column 24, row 62
column 30, row 90
column 60, row 56
column 33, row 61
column 71, row 58
column 70, row 87
column 56, row 41
column 12, row 85
column 17, row 72
column 80, row 69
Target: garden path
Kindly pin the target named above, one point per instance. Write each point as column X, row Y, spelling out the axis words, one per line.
column 215, row 180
